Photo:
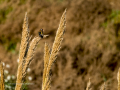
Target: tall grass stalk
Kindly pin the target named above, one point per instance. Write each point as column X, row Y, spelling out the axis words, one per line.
column 88, row 85
column 50, row 57
column 26, row 54
column 2, row 76
column 103, row 87
column 118, row 78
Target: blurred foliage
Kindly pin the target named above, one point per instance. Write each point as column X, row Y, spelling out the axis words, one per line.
column 9, row 45
column 104, row 77
column 24, row 87
column 115, row 17
column 10, row 80
column 59, row 1
column 2, row 1
column 22, row 2
column 10, row 83
column 4, row 12
column 112, row 27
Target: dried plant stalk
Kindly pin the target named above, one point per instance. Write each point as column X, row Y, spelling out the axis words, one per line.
column 118, row 78
column 23, row 49
column 28, row 59
column 50, row 58
column 57, row 41
column 30, row 53
column 46, row 61
column 88, row 85
column 47, row 85
column 26, row 54
column 24, row 40
column 2, row 76
column 103, row 87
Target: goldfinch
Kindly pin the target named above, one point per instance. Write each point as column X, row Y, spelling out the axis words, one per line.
column 41, row 34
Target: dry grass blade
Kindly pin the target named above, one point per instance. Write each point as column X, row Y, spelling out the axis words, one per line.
column 118, row 78
column 57, row 41
column 46, row 60
column 23, row 48
column 103, row 87
column 88, row 85
column 2, row 76
column 30, row 53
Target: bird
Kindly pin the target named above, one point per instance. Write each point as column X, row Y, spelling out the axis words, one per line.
column 41, row 34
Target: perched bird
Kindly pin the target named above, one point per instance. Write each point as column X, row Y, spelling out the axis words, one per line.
column 41, row 34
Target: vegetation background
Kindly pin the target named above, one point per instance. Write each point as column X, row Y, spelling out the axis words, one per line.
column 91, row 45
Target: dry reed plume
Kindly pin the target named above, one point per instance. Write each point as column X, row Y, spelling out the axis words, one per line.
column 26, row 54
column 118, row 78
column 103, row 87
column 23, row 46
column 46, row 62
column 88, row 85
column 49, row 58
column 2, row 76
